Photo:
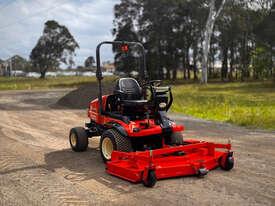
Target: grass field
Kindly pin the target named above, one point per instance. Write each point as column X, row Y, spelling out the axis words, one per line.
column 20, row 83
column 246, row 104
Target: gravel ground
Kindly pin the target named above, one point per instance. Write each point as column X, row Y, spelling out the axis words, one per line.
column 37, row 166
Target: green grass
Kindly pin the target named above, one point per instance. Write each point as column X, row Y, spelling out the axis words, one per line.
column 245, row 104
column 20, row 83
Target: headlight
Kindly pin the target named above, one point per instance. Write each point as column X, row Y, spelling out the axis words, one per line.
column 162, row 105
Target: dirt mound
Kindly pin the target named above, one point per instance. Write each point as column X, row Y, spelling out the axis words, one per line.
column 80, row 98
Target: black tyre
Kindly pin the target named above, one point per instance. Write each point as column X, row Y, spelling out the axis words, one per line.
column 202, row 172
column 151, row 179
column 177, row 138
column 228, row 164
column 78, row 139
column 112, row 140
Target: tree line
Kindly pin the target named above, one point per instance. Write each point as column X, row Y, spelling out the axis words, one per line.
column 225, row 39
column 173, row 32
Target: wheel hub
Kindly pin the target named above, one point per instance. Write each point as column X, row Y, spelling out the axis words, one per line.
column 73, row 139
column 107, row 148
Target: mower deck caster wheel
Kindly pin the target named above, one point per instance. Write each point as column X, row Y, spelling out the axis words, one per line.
column 78, row 139
column 202, row 172
column 150, row 180
column 227, row 163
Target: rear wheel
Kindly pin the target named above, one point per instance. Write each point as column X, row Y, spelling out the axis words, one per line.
column 112, row 140
column 78, row 139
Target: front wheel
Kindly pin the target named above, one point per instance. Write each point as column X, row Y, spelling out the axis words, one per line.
column 112, row 140
column 78, row 139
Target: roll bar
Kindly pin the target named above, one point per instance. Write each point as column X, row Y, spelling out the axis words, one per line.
column 99, row 76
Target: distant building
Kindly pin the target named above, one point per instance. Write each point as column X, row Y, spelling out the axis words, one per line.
column 5, row 67
column 15, row 63
column 109, row 67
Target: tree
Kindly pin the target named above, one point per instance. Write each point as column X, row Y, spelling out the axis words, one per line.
column 156, row 25
column 89, row 62
column 20, row 63
column 169, row 29
column 265, row 30
column 185, row 34
column 125, row 14
column 228, row 29
column 212, row 16
column 266, row 35
column 261, row 63
column 192, row 15
column 55, row 46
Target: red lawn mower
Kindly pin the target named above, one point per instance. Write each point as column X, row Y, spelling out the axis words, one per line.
column 139, row 143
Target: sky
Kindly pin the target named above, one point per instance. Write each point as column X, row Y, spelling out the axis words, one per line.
column 22, row 23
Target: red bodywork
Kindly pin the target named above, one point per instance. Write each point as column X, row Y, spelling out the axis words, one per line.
column 154, row 129
column 169, row 161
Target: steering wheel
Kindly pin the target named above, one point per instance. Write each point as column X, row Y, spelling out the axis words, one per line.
column 152, row 83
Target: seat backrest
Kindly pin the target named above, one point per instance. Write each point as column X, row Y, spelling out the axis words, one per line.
column 130, row 88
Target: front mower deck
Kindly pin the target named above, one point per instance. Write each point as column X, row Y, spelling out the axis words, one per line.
column 194, row 158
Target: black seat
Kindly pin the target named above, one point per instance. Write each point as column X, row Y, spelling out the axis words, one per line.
column 128, row 89
column 129, row 92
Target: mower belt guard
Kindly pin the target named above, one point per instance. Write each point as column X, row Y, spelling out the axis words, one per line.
column 194, row 158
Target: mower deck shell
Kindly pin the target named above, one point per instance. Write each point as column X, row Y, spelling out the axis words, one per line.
column 184, row 160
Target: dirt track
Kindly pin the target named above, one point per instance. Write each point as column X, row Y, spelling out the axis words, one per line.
column 37, row 166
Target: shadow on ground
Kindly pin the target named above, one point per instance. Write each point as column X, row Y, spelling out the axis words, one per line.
column 87, row 166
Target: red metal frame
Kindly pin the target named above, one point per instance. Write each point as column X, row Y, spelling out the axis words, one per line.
column 154, row 129
column 168, row 162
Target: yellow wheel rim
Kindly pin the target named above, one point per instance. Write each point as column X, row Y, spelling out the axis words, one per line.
column 107, row 148
column 73, row 139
